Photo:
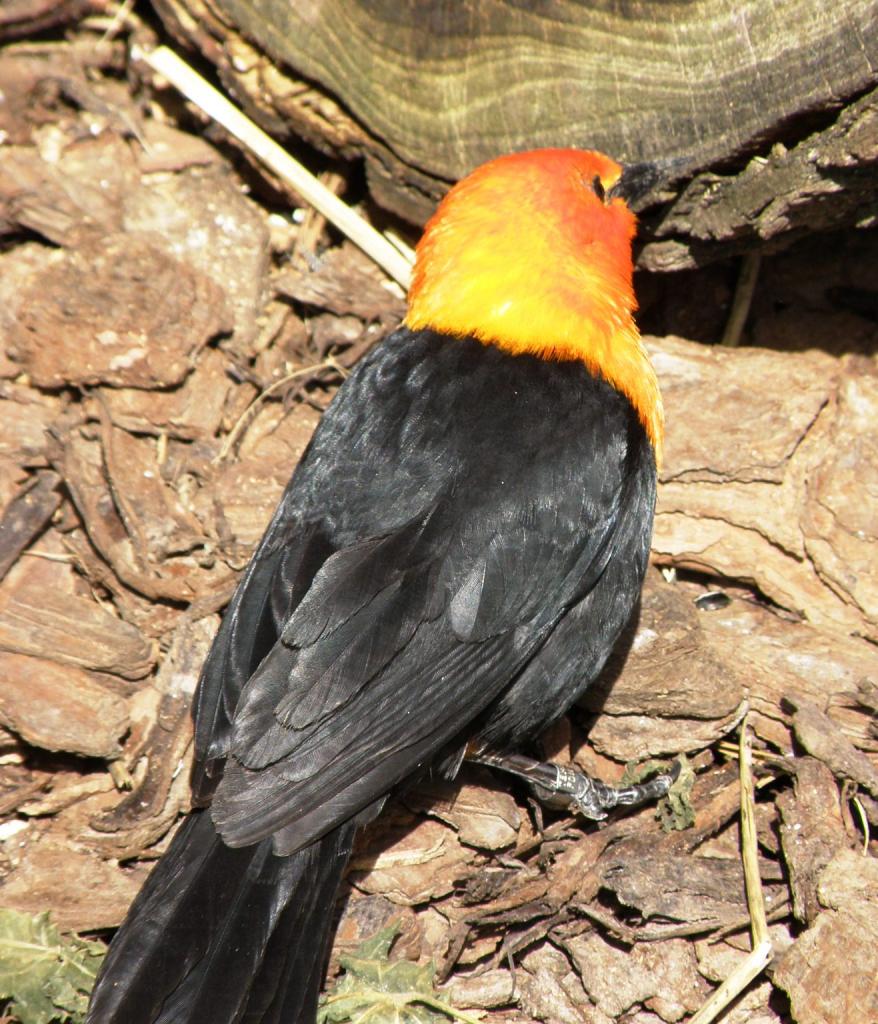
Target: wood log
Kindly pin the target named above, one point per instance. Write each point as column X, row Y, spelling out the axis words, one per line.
column 827, row 181
column 426, row 92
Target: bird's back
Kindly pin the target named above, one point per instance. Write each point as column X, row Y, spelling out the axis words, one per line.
column 443, row 587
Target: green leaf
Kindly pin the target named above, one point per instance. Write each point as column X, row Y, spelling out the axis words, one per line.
column 674, row 811
column 377, row 990
column 46, row 976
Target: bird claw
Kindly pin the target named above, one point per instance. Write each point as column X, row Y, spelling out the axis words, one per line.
column 590, row 797
column 593, row 798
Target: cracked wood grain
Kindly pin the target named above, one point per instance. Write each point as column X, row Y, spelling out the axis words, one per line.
column 768, row 481
column 428, row 91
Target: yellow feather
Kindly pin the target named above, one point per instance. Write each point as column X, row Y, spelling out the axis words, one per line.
column 523, row 254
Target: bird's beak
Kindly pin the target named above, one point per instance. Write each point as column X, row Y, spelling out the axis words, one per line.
column 637, row 181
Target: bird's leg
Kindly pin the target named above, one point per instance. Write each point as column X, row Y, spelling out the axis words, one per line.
column 555, row 783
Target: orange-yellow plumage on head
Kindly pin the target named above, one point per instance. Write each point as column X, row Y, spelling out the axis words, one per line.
column 531, row 252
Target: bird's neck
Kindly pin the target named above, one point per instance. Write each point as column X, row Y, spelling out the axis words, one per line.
column 581, row 315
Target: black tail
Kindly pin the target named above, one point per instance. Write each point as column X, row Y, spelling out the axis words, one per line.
column 225, row 936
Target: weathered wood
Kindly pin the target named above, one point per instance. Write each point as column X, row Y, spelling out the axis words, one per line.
column 111, row 312
column 768, row 458
column 41, row 615
column 427, row 91
column 20, row 18
column 60, row 707
column 812, row 832
column 26, row 515
column 85, row 892
column 827, row 181
column 831, row 972
column 718, row 656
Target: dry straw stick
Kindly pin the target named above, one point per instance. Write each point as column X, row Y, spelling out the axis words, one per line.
column 166, row 63
column 760, row 954
column 742, row 300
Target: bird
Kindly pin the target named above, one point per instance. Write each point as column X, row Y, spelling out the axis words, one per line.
column 454, row 558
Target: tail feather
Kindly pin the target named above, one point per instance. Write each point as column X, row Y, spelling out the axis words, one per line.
column 286, row 989
column 224, row 935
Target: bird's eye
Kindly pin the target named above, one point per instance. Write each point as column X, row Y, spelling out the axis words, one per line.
column 597, row 186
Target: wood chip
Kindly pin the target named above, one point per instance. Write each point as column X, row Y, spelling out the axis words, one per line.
column 487, row 818
column 741, row 496
column 25, row 417
column 26, row 516
column 668, row 667
column 781, row 658
column 248, row 490
column 831, row 971
column 169, row 149
column 117, row 310
column 343, row 281
column 60, row 707
column 84, row 892
column 192, row 412
column 201, row 217
column 133, row 518
column 662, row 976
column 823, row 739
column 362, row 916
column 64, row 795
column 155, row 519
column 410, row 866
column 840, row 527
column 147, row 813
column 640, row 737
column 64, row 201
column 550, row 990
column 678, row 887
column 42, row 615
column 812, row 831
column 163, row 756
column 482, row 991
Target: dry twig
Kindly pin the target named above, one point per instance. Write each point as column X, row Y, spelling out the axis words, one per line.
column 742, row 300
column 759, row 956
column 329, row 363
column 213, row 103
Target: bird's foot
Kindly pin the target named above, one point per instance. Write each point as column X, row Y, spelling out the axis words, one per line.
column 556, row 783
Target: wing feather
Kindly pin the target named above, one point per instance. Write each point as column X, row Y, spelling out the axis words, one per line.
column 404, row 605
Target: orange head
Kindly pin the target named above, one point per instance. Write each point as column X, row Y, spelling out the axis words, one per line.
column 532, row 252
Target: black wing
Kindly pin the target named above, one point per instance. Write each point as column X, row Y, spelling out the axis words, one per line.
column 453, row 504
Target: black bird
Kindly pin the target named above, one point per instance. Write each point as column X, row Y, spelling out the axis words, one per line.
column 449, row 568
